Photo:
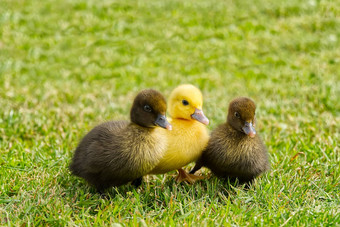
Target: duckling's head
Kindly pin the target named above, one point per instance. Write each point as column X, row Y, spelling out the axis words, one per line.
column 241, row 115
column 148, row 110
column 185, row 102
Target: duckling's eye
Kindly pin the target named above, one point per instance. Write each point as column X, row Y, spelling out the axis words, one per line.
column 185, row 102
column 237, row 115
column 147, row 108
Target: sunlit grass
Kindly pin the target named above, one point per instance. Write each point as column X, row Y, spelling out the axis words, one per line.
column 66, row 66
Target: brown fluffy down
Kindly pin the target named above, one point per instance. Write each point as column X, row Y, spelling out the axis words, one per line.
column 117, row 152
column 230, row 152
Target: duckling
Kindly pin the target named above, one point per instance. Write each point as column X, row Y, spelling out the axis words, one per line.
column 189, row 135
column 117, row 152
column 235, row 150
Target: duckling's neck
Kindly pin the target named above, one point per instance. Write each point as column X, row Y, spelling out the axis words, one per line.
column 142, row 128
column 235, row 132
column 182, row 119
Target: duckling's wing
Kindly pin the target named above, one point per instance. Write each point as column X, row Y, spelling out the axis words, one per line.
column 105, row 142
column 88, row 156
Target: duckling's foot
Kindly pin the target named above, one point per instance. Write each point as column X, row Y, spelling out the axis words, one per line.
column 137, row 182
column 189, row 178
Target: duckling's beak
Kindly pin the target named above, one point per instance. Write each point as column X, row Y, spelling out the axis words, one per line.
column 199, row 116
column 249, row 129
column 161, row 121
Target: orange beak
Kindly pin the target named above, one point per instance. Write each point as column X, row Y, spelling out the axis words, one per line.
column 249, row 129
column 198, row 115
column 161, row 121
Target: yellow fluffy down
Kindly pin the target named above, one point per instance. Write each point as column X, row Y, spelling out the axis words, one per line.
column 186, row 142
column 188, row 137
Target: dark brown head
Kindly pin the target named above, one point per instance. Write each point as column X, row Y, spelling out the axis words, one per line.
column 241, row 115
column 148, row 109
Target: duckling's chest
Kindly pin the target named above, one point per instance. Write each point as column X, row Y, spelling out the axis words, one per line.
column 187, row 140
column 233, row 147
column 185, row 144
column 146, row 149
column 188, row 134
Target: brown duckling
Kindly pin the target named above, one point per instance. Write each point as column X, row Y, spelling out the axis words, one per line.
column 234, row 149
column 117, row 152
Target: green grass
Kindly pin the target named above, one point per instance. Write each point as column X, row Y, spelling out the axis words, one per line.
column 67, row 66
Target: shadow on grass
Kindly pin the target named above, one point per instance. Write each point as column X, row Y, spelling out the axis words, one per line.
column 159, row 191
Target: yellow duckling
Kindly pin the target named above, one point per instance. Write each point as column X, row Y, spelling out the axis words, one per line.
column 189, row 135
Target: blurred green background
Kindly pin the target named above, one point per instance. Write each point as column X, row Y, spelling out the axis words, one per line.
column 68, row 65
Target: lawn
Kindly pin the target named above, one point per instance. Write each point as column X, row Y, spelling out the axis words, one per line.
column 68, row 65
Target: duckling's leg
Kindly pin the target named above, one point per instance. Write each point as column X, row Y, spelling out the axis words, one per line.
column 101, row 192
column 137, row 182
column 197, row 166
column 103, row 195
column 184, row 176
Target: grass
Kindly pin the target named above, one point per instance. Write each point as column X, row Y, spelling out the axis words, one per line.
column 67, row 66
